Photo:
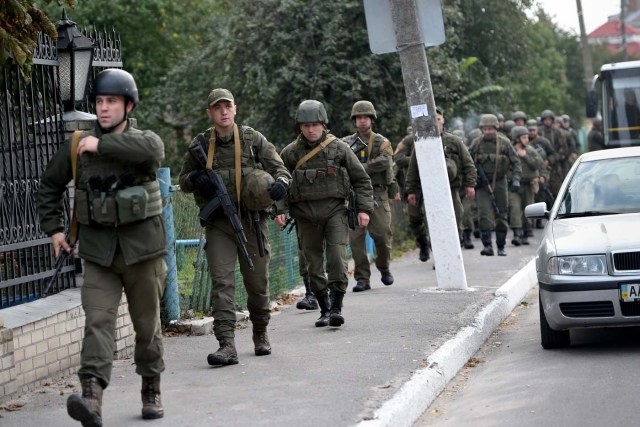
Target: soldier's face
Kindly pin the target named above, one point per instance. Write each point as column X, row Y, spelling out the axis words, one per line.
column 222, row 114
column 524, row 139
column 548, row 121
column 110, row 110
column 533, row 132
column 363, row 123
column 488, row 130
column 440, row 120
column 519, row 122
column 312, row 131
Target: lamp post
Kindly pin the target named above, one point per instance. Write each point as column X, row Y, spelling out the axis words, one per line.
column 75, row 57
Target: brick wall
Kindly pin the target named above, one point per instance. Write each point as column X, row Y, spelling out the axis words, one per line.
column 48, row 348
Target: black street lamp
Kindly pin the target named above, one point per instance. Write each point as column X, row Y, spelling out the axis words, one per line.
column 75, row 57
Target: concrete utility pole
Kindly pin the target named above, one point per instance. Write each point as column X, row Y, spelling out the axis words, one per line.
column 587, row 63
column 443, row 230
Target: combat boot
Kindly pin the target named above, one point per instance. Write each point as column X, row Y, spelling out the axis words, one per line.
column 361, row 286
column 466, row 239
column 309, row 302
column 501, row 240
column 325, row 305
column 151, row 403
column 261, row 342
column 87, row 408
column 525, row 239
column 387, row 278
column 424, row 249
column 225, row 355
column 528, row 233
column 335, row 317
column 486, row 242
column 517, row 237
column 539, row 224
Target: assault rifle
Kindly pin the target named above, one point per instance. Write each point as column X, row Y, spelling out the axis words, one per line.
column 60, row 261
column 222, row 200
column 289, row 225
column 352, row 211
column 483, row 181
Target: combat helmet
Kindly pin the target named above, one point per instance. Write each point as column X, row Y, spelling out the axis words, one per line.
column 519, row 115
column 255, row 190
column 532, row 123
column 488, row 120
column 363, row 108
column 547, row 114
column 311, row 111
column 517, row 132
column 114, row 81
column 508, row 125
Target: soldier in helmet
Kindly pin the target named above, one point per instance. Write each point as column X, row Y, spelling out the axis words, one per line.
column 531, row 163
column 595, row 138
column 495, row 156
column 559, row 143
column 376, row 155
column 519, row 118
column 500, row 118
column 462, row 176
column 324, row 169
column 543, row 147
column 506, row 128
column 254, row 176
column 401, row 156
column 120, row 249
column 572, row 137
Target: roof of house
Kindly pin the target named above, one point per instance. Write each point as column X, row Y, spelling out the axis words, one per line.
column 612, row 29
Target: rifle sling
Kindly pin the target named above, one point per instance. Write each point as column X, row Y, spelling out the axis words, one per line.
column 316, row 150
column 211, row 155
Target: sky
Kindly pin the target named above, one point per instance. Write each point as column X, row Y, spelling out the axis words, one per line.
column 565, row 13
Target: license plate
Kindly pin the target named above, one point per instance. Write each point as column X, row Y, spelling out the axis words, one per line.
column 630, row 292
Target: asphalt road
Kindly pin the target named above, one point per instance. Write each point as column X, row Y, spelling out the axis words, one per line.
column 513, row 381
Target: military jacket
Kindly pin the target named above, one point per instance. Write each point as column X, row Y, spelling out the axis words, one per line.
column 558, row 141
column 138, row 151
column 403, row 152
column 496, row 164
column 460, row 166
column 531, row 164
column 378, row 164
column 324, row 180
column 595, row 140
column 256, row 153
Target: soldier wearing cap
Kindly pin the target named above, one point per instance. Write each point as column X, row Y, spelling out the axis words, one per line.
column 324, row 170
column 122, row 248
column 572, row 137
column 461, row 172
column 376, row 155
column 254, row 176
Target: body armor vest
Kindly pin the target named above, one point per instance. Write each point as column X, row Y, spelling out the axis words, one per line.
column 378, row 179
column 485, row 154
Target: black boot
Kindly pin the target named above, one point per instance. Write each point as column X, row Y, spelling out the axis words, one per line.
column 87, row 408
column 501, row 240
column 517, row 237
column 361, row 286
column 424, row 249
column 261, row 342
column 527, row 233
column 466, row 239
column 151, row 403
column 387, row 278
column 325, row 305
column 225, row 355
column 486, row 242
column 525, row 239
column 335, row 317
column 539, row 224
column 309, row 302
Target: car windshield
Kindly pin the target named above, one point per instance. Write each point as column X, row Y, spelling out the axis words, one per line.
column 603, row 187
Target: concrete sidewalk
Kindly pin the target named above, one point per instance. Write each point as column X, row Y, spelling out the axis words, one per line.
column 399, row 347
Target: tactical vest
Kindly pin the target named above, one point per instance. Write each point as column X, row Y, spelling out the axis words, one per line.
column 320, row 177
column 485, row 154
column 112, row 192
column 378, row 179
column 224, row 159
column 452, row 158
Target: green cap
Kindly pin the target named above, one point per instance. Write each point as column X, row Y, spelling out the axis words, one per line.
column 218, row 95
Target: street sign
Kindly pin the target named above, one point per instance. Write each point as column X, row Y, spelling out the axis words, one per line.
column 382, row 37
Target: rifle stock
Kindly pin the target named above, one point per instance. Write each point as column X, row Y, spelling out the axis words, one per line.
column 352, row 211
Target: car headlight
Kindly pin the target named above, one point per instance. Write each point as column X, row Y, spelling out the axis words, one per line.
column 585, row 265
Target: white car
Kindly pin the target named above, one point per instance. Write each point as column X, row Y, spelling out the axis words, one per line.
column 588, row 262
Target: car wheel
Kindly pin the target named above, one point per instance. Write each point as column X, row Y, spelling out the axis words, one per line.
column 550, row 338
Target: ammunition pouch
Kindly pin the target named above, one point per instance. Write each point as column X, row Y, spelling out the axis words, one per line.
column 317, row 184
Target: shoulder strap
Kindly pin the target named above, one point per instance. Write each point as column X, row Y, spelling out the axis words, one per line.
column 211, row 154
column 310, row 154
column 73, row 228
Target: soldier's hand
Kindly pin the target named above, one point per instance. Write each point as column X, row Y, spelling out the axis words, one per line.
column 200, row 181
column 515, row 186
column 397, row 197
column 363, row 219
column 281, row 220
column 470, row 192
column 59, row 242
column 278, row 191
column 412, row 199
column 88, row 144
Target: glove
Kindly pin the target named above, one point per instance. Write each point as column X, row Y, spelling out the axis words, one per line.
column 278, row 191
column 200, row 181
column 515, row 186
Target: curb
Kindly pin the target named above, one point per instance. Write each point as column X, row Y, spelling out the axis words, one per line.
column 415, row 396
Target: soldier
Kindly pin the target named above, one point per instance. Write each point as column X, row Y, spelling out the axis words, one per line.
column 495, row 157
column 559, row 143
column 573, row 140
column 460, row 169
column 376, row 155
column 506, row 128
column 595, row 137
column 469, row 205
column 500, row 118
column 254, row 177
column 121, row 248
column 531, row 162
column 401, row 157
column 548, row 154
column 519, row 118
column 324, row 171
